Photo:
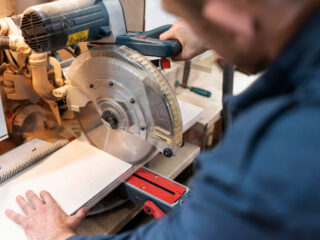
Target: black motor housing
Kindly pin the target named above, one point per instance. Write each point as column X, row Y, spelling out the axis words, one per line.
column 56, row 25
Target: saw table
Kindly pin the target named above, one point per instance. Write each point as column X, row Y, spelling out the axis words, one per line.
column 113, row 221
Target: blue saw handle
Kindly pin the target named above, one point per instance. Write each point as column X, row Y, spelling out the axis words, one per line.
column 149, row 44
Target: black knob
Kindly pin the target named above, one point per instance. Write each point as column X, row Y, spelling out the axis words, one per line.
column 168, row 153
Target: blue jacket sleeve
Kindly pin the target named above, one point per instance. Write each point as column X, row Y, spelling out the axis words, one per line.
column 272, row 194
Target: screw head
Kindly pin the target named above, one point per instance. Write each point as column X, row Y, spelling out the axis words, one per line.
column 132, row 101
column 65, row 24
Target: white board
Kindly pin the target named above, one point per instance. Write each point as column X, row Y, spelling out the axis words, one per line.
column 77, row 175
column 190, row 114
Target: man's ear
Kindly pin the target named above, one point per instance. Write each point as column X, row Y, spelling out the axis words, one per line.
column 233, row 20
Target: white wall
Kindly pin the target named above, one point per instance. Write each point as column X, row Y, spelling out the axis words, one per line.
column 156, row 16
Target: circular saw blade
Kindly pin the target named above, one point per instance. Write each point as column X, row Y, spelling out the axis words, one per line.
column 118, row 143
column 126, row 106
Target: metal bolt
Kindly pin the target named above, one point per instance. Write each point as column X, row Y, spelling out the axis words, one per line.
column 111, row 119
column 156, row 176
column 112, row 122
column 148, row 209
column 132, row 101
column 143, row 188
column 168, row 153
column 34, row 149
column 91, row 85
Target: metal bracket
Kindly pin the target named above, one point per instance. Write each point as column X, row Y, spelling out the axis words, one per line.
column 146, row 186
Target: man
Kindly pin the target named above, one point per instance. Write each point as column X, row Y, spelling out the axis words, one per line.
column 263, row 181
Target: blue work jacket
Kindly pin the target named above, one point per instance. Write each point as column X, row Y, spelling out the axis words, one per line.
column 263, row 182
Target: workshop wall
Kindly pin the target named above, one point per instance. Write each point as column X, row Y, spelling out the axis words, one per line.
column 156, row 16
column 7, row 8
column 21, row 5
column 134, row 11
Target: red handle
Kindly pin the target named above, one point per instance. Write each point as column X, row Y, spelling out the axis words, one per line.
column 151, row 209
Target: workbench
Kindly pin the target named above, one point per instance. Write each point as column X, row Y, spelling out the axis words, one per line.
column 208, row 124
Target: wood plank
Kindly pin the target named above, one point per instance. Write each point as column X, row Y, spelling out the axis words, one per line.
column 113, row 221
column 93, row 172
column 210, row 81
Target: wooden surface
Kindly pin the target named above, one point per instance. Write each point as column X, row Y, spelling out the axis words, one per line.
column 134, row 12
column 209, row 81
column 190, row 114
column 212, row 107
column 113, row 221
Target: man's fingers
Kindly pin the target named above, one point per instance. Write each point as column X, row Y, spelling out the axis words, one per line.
column 16, row 217
column 167, row 35
column 179, row 57
column 82, row 213
column 34, row 199
column 78, row 217
column 47, row 198
column 24, row 205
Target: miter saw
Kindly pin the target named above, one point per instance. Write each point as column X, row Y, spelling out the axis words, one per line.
column 123, row 102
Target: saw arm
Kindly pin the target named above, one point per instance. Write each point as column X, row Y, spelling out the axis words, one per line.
column 124, row 103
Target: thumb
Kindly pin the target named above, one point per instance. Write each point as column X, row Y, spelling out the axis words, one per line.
column 168, row 34
column 79, row 216
column 81, row 213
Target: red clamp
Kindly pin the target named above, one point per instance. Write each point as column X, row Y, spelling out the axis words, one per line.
column 151, row 209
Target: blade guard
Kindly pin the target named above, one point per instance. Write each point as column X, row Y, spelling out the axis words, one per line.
column 129, row 93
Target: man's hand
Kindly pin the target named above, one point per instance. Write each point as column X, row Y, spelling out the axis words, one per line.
column 44, row 219
column 192, row 45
